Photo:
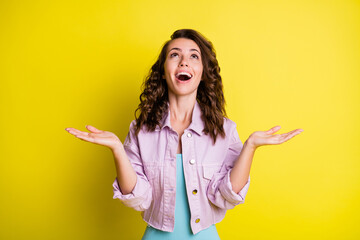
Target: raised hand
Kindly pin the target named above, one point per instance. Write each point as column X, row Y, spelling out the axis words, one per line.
column 261, row 138
column 96, row 136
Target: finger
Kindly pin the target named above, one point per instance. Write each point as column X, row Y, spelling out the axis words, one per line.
column 85, row 138
column 273, row 130
column 70, row 129
column 287, row 136
column 294, row 133
column 74, row 131
column 93, row 129
column 291, row 132
column 297, row 130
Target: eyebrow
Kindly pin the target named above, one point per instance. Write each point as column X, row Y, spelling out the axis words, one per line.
column 193, row 49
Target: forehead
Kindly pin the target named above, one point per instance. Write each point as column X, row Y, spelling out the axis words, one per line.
column 183, row 44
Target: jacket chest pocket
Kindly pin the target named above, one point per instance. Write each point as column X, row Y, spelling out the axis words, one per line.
column 210, row 170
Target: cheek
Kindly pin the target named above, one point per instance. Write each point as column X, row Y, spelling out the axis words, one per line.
column 167, row 67
column 166, row 71
column 200, row 71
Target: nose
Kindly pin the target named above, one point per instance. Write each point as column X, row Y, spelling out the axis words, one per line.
column 183, row 63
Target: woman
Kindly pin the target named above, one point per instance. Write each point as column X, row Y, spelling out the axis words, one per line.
column 182, row 163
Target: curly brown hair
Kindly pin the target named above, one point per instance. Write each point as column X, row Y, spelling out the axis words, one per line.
column 154, row 98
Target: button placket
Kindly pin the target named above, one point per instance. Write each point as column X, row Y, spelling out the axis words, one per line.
column 191, row 162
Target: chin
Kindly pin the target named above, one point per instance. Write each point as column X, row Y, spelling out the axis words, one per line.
column 184, row 92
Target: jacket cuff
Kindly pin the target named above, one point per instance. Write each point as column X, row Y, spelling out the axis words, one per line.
column 138, row 196
column 226, row 191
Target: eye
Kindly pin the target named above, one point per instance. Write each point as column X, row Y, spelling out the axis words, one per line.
column 174, row 54
column 195, row 56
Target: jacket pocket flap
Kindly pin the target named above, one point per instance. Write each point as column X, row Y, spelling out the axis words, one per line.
column 209, row 170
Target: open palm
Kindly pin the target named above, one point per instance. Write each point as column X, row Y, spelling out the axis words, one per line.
column 261, row 138
column 96, row 136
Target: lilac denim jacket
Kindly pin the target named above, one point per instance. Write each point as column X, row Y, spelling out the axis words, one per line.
column 206, row 168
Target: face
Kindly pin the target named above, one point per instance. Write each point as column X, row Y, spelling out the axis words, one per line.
column 183, row 67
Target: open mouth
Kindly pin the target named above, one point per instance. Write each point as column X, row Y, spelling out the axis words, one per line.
column 183, row 76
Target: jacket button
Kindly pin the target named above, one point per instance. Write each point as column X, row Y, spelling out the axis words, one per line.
column 192, row 161
column 194, row 191
column 197, row 220
column 189, row 135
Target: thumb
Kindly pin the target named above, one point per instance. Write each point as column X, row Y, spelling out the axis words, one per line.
column 93, row 129
column 273, row 130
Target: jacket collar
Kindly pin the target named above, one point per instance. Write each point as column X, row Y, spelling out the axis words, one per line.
column 197, row 124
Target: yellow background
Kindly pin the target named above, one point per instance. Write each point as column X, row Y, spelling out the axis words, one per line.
column 72, row 63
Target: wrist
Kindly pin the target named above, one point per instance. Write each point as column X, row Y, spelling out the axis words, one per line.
column 117, row 147
column 250, row 144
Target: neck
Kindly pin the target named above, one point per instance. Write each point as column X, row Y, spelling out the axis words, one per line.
column 181, row 108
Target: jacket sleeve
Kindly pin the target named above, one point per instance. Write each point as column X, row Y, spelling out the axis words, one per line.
column 141, row 196
column 220, row 191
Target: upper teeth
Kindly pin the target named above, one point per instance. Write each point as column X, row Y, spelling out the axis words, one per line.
column 183, row 73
